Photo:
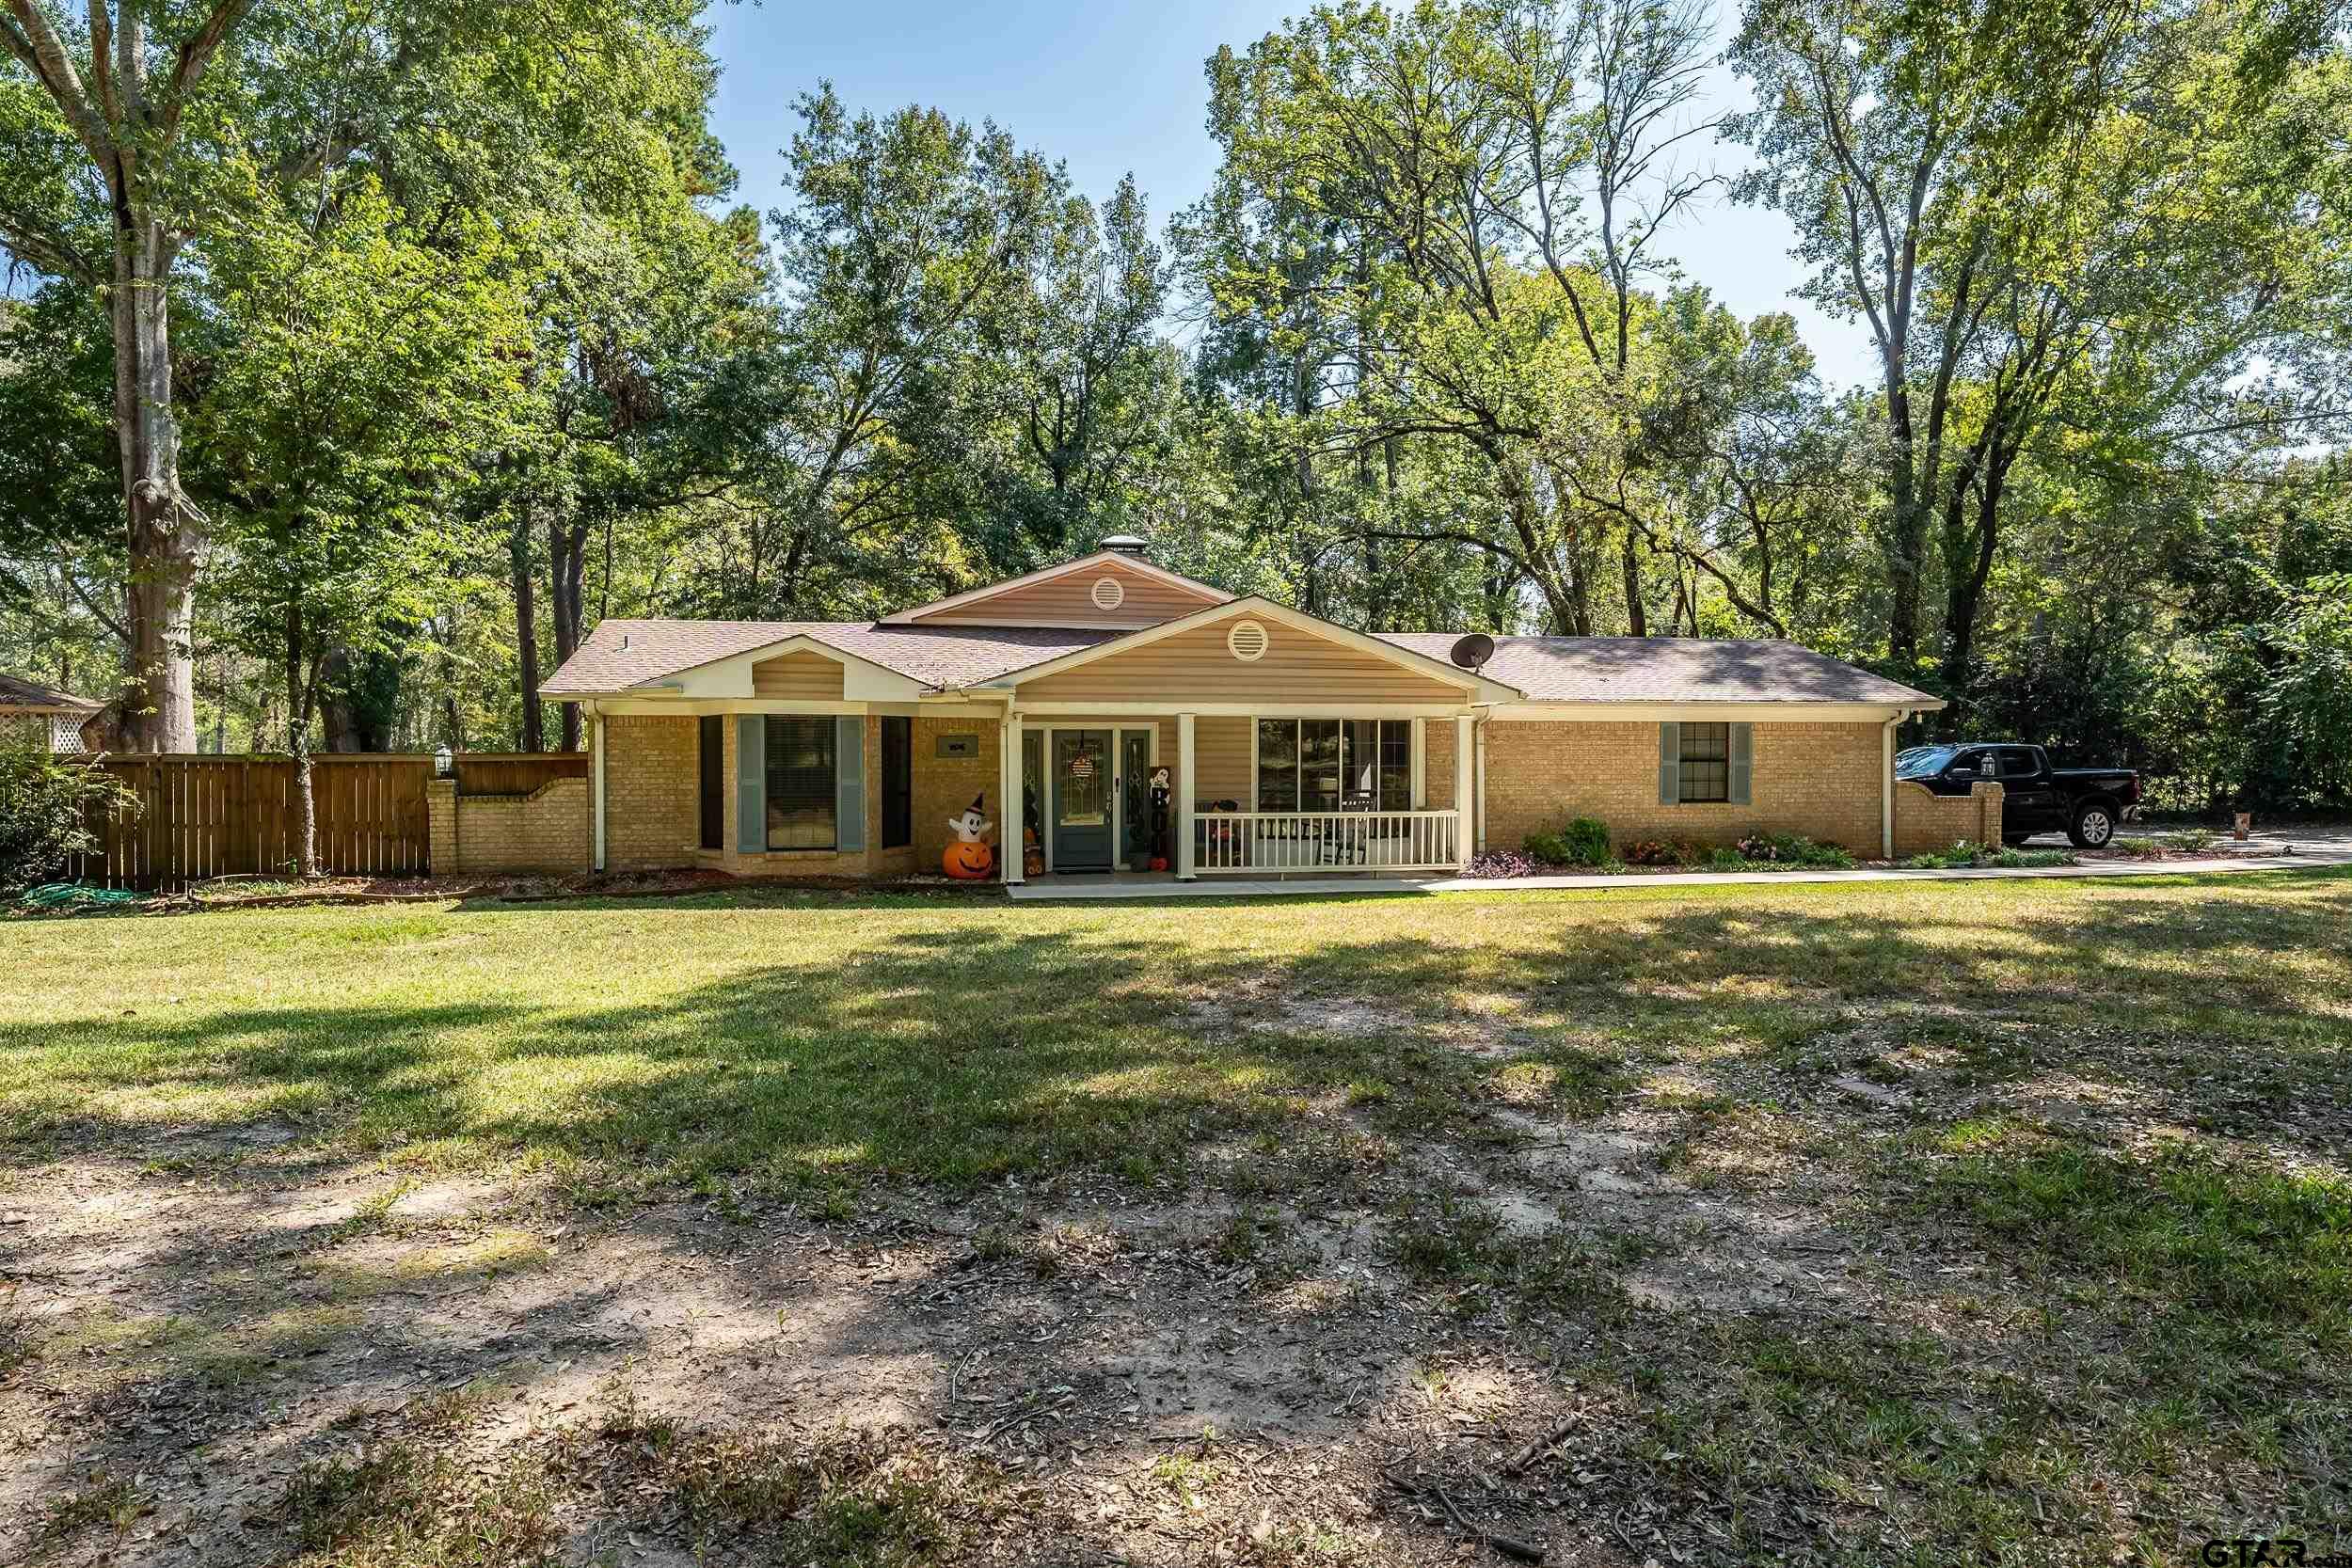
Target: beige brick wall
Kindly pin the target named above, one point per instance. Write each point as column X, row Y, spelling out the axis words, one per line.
column 1819, row 780
column 944, row 787
column 1926, row 821
column 1438, row 767
column 440, row 813
column 475, row 835
column 652, row 815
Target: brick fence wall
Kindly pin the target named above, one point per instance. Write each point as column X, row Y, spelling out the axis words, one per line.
column 1926, row 821
column 545, row 831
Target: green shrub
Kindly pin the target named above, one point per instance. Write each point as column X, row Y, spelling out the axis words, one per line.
column 46, row 804
column 2190, row 839
column 1661, row 851
column 2138, row 848
column 1582, row 842
column 1793, row 849
column 1966, row 855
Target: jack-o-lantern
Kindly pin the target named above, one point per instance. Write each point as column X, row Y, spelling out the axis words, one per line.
column 1032, row 857
column 969, row 858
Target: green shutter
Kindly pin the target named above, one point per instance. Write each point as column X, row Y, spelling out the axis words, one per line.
column 1669, row 765
column 849, row 779
column 751, row 783
column 1742, row 762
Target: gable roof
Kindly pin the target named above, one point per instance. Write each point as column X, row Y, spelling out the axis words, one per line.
column 1672, row 670
column 24, row 696
column 1477, row 688
column 1121, row 560
column 620, row 654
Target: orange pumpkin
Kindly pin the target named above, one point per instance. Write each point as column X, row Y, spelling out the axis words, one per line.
column 969, row 862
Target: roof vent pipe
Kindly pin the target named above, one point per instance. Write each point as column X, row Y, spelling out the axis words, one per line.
column 1127, row 543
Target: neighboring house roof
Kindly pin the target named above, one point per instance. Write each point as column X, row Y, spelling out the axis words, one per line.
column 619, row 654
column 1671, row 669
column 24, row 696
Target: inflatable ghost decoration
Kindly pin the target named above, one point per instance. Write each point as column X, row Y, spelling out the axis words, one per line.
column 969, row 858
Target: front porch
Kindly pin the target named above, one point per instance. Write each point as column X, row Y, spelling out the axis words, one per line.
column 1237, row 792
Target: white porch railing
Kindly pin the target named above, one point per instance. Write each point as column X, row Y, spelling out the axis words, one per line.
column 1326, row 841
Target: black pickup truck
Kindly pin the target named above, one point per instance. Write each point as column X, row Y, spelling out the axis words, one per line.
column 2086, row 802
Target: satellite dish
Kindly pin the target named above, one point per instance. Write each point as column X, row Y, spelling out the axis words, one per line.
column 1473, row 652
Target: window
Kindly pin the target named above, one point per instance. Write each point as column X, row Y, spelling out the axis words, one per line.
column 1335, row 765
column 802, row 796
column 1277, row 765
column 1379, row 765
column 1706, row 762
column 897, row 781
column 713, row 735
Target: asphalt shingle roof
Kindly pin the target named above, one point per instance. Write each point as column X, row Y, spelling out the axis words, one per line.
column 622, row 654
column 31, row 694
column 1668, row 669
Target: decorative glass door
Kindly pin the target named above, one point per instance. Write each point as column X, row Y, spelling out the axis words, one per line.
column 1135, row 799
column 1082, row 800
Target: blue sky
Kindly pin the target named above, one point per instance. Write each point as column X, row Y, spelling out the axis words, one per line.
column 1111, row 89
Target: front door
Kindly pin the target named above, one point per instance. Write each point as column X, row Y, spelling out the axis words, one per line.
column 1082, row 800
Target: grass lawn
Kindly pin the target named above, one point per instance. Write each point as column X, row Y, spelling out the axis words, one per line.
column 1999, row 1221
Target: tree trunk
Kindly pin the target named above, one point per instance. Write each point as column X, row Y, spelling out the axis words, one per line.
column 526, row 634
column 299, row 746
column 159, row 709
column 567, row 570
column 339, row 715
column 1968, row 570
column 1636, row 618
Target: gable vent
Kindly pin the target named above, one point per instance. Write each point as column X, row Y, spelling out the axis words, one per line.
column 1246, row 641
column 1109, row 593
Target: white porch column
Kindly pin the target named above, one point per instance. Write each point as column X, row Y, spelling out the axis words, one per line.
column 596, row 788
column 1420, row 764
column 1186, row 788
column 1010, row 846
column 1465, row 777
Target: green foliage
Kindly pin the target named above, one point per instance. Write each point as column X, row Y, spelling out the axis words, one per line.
column 1584, row 842
column 1792, row 849
column 1965, row 855
column 46, row 807
column 1662, row 851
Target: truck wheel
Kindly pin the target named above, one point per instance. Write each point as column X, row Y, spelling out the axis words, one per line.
column 2093, row 825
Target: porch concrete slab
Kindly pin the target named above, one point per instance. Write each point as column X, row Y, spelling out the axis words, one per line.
column 2297, row 857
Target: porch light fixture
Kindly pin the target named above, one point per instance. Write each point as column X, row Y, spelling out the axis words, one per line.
column 1246, row 641
column 1109, row 593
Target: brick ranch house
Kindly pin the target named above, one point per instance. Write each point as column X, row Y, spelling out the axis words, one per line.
column 1293, row 744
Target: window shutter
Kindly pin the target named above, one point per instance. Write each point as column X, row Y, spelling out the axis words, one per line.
column 850, row 774
column 1742, row 762
column 1669, row 765
column 751, row 783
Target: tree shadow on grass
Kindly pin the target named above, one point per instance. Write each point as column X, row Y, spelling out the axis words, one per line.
column 1047, row 1044
column 1031, row 1043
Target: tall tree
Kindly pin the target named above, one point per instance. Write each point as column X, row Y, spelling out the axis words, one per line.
column 363, row 370
column 2034, row 203
column 130, row 129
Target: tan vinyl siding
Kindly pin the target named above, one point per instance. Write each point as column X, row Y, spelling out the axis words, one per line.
column 1221, row 749
column 1299, row 669
column 798, row 677
column 1068, row 600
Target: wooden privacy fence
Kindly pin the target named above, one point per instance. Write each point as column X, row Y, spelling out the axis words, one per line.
column 204, row 816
